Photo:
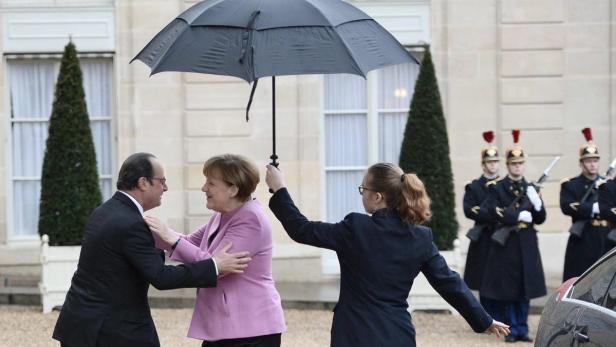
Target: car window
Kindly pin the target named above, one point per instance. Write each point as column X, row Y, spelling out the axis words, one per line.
column 610, row 300
column 593, row 286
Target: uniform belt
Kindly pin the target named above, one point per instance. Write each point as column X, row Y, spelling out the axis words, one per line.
column 599, row 223
column 523, row 225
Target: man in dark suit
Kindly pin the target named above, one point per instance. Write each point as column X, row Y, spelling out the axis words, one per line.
column 107, row 302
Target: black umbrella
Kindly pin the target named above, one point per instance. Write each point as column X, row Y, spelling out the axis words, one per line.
column 251, row 39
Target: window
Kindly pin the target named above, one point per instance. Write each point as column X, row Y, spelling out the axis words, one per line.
column 31, row 92
column 364, row 123
column 593, row 287
column 610, row 300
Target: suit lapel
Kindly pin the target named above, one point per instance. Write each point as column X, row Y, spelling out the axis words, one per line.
column 222, row 228
column 222, row 223
column 215, row 225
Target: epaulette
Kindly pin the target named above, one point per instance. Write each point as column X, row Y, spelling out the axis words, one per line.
column 565, row 180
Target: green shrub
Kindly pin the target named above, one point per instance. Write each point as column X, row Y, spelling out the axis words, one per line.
column 69, row 184
column 425, row 151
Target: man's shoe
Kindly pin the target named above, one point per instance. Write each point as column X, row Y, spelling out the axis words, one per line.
column 510, row 338
column 525, row 338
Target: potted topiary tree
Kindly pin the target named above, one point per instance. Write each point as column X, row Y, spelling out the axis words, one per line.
column 425, row 151
column 69, row 183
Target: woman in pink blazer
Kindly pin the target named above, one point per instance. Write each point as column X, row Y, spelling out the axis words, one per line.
column 243, row 309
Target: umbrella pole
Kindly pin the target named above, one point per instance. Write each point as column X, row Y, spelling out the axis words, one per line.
column 274, row 157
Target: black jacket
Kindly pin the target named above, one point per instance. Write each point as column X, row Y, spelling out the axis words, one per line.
column 475, row 193
column 379, row 257
column 582, row 251
column 513, row 271
column 107, row 302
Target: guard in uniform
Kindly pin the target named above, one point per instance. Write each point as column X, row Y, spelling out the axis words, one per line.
column 579, row 199
column 513, row 272
column 475, row 193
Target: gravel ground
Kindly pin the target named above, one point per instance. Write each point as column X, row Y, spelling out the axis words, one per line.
column 27, row 326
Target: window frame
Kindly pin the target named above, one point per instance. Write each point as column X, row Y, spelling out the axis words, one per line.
column 12, row 238
column 329, row 262
column 589, row 305
column 372, row 112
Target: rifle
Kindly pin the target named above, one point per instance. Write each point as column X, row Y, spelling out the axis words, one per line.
column 475, row 232
column 578, row 227
column 501, row 234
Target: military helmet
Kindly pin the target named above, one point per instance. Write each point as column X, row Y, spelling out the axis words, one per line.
column 489, row 153
column 515, row 153
column 588, row 150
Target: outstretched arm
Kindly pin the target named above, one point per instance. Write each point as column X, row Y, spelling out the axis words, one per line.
column 300, row 229
column 451, row 287
column 186, row 248
column 138, row 248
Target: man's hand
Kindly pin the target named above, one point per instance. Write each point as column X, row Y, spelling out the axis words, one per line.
column 525, row 216
column 274, row 178
column 230, row 263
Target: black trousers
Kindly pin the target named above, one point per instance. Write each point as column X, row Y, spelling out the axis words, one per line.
column 255, row 341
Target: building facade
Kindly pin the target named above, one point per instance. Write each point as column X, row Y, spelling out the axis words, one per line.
column 542, row 66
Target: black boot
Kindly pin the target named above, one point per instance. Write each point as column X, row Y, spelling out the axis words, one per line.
column 525, row 338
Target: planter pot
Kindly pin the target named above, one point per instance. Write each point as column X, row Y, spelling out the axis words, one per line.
column 58, row 264
column 423, row 296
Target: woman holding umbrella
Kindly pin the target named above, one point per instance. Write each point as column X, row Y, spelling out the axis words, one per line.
column 380, row 255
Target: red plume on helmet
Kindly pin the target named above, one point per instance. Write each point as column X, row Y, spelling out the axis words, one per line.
column 587, row 134
column 488, row 136
column 588, row 150
column 516, row 135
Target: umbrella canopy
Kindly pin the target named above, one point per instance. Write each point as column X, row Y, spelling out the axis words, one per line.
column 251, row 39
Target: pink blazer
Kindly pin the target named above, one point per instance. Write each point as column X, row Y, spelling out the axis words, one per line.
column 241, row 305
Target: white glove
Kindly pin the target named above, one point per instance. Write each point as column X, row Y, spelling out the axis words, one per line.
column 525, row 216
column 595, row 208
column 534, row 198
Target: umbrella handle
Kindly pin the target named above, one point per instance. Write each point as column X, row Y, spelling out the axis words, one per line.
column 274, row 159
column 275, row 164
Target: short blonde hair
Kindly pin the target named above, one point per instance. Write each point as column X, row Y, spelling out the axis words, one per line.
column 235, row 170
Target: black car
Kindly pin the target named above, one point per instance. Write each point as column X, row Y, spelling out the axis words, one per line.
column 582, row 312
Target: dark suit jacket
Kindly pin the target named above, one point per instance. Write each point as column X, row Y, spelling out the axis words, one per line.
column 107, row 302
column 379, row 256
